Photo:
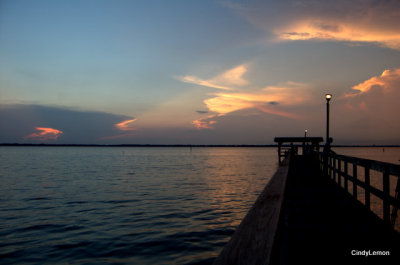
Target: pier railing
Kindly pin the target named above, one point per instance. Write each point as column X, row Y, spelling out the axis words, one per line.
column 357, row 171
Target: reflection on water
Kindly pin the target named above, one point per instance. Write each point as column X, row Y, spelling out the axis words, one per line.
column 125, row 205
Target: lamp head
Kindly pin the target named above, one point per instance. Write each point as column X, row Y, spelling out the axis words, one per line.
column 328, row 97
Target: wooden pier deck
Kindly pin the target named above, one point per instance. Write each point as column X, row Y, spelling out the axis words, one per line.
column 306, row 218
column 323, row 224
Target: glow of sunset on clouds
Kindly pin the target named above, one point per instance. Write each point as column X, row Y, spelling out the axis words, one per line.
column 339, row 31
column 204, row 123
column 44, row 134
column 365, row 21
column 266, row 64
column 226, row 81
column 386, row 81
column 126, row 125
column 269, row 99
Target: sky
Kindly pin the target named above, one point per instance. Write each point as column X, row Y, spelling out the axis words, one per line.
column 198, row 72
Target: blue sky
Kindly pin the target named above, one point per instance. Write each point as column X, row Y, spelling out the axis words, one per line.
column 198, row 72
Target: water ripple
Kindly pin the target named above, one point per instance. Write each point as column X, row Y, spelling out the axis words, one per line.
column 125, row 206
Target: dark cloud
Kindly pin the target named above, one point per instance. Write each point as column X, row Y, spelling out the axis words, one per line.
column 273, row 102
column 18, row 121
column 202, row 111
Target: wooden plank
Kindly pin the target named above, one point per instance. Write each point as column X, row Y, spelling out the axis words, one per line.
column 252, row 242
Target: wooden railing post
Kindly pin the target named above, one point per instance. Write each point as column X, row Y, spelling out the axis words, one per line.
column 279, row 153
column 346, row 187
column 332, row 166
column 355, row 181
column 386, row 194
column 367, row 187
column 339, row 166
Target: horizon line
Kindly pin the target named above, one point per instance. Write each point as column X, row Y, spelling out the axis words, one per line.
column 185, row 145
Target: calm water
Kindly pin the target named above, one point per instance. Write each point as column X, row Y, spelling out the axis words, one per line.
column 81, row 205
column 387, row 154
column 97, row 205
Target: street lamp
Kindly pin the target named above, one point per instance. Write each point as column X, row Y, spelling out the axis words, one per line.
column 328, row 98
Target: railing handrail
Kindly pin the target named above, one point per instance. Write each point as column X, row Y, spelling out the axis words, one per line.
column 394, row 169
column 331, row 164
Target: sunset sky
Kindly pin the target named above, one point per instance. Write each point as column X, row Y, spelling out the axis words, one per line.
column 198, row 72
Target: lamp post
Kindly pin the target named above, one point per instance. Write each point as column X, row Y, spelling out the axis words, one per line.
column 328, row 98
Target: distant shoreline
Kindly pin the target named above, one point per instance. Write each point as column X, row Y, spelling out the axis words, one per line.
column 171, row 145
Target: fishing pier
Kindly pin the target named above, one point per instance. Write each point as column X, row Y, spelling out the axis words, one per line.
column 316, row 209
column 320, row 208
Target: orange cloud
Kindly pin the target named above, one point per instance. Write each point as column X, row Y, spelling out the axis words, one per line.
column 369, row 21
column 336, row 30
column 203, row 123
column 225, row 81
column 371, row 111
column 385, row 81
column 44, row 134
column 268, row 99
column 125, row 125
column 288, row 95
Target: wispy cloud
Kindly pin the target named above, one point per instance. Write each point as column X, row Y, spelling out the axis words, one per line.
column 268, row 99
column 204, row 123
column 332, row 30
column 225, row 81
column 272, row 100
column 44, row 134
column 365, row 21
column 126, row 125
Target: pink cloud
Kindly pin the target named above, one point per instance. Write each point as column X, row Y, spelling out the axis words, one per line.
column 44, row 134
column 204, row 123
column 125, row 125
